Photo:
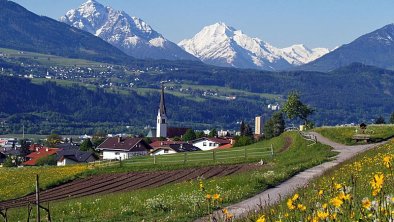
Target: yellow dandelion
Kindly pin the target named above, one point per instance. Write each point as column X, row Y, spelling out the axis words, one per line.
column 295, row 197
column 208, row 196
column 301, row 207
column 366, row 203
column 261, row 219
column 387, row 161
column 336, row 202
column 290, row 204
column 322, row 215
column 216, row 196
column 320, row 193
column 337, row 186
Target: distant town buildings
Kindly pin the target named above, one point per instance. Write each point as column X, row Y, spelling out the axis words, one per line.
column 273, row 107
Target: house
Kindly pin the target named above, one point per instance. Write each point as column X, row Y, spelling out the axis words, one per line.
column 74, row 156
column 41, row 153
column 123, row 148
column 174, row 148
column 209, row 143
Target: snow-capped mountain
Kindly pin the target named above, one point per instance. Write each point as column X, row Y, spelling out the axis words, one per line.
column 130, row 34
column 222, row 45
column 300, row 54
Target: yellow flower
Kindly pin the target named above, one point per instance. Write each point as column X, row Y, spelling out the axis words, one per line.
column 208, row 196
column 295, row 197
column 261, row 219
column 324, row 206
column 322, row 215
column 320, row 192
column 201, row 186
column 301, row 207
column 216, row 196
column 366, row 203
column 387, row 161
column 336, row 202
column 377, row 183
column 290, row 204
column 337, row 186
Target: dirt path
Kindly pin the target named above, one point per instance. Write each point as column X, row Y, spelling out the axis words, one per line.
column 273, row 195
column 120, row 182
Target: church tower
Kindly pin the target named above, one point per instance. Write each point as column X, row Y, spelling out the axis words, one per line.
column 161, row 129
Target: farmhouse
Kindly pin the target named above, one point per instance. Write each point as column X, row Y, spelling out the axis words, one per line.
column 171, row 147
column 206, row 143
column 41, row 153
column 74, row 156
column 123, row 148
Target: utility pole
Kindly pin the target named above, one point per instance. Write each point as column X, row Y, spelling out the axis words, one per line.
column 38, row 199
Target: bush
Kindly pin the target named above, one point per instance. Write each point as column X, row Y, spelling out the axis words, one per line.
column 243, row 141
column 48, row 160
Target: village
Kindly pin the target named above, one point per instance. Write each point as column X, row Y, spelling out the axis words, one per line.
column 162, row 140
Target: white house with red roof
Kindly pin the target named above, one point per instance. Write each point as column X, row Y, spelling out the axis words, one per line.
column 210, row 143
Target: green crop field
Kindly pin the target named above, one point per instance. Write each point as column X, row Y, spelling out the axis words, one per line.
column 189, row 200
column 359, row 190
column 344, row 135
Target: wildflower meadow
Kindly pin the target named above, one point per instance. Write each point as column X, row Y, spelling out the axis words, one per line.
column 360, row 190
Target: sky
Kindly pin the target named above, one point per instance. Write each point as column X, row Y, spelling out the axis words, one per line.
column 315, row 23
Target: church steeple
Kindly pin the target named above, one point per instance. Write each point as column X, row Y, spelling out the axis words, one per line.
column 161, row 130
column 162, row 109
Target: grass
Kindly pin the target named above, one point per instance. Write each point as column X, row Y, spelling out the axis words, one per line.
column 199, row 158
column 344, row 135
column 22, row 180
column 49, row 60
column 229, row 91
column 187, row 201
column 16, row 182
column 354, row 191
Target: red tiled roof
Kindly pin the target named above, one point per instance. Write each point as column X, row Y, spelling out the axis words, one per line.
column 226, row 146
column 43, row 152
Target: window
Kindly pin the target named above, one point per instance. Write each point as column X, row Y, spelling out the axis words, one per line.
column 117, row 153
column 163, row 121
column 204, row 143
column 165, row 151
column 210, row 144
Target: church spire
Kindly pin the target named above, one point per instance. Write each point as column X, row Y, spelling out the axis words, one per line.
column 162, row 109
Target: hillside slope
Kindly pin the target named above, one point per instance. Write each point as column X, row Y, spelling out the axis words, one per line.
column 23, row 30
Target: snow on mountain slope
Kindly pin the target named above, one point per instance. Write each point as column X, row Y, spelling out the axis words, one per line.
column 300, row 54
column 130, row 34
column 222, row 45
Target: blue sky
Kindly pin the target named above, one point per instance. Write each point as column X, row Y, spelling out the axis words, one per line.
column 315, row 23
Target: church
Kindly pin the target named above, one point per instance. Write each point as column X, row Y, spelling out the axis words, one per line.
column 162, row 130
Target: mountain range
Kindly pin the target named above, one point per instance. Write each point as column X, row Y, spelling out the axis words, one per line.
column 223, row 45
column 217, row 44
column 23, row 30
column 130, row 34
column 375, row 48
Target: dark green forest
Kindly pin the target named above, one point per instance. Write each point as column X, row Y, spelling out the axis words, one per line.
column 356, row 93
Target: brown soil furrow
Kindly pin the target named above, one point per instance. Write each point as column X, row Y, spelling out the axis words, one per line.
column 110, row 183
